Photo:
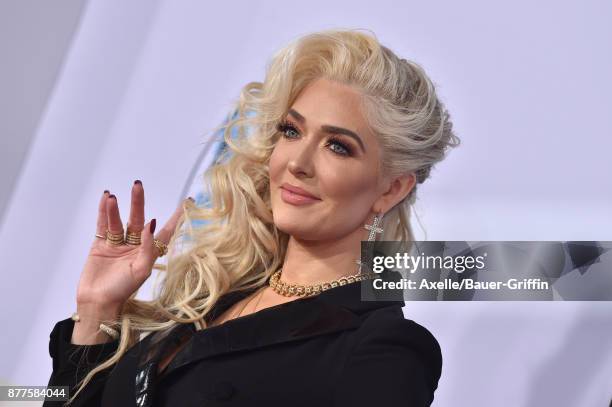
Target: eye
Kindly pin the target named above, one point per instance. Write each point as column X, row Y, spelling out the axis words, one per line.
column 344, row 149
column 286, row 126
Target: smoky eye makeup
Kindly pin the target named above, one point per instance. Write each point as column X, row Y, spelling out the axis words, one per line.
column 340, row 147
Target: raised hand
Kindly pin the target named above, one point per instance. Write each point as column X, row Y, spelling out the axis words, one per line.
column 112, row 273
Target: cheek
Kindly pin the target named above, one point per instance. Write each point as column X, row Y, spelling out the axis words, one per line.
column 275, row 167
column 349, row 185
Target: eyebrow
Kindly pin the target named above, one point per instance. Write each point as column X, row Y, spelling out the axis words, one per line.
column 330, row 129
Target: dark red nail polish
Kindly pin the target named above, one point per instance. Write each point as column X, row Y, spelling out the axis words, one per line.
column 106, row 191
column 139, row 182
column 112, row 196
column 152, row 226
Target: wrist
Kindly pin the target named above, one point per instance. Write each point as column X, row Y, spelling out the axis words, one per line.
column 98, row 311
column 88, row 317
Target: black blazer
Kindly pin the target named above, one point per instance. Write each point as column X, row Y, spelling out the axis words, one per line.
column 327, row 350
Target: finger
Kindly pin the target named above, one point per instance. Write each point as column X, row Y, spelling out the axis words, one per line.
column 114, row 219
column 165, row 234
column 102, row 222
column 137, row 216
column 149, row 252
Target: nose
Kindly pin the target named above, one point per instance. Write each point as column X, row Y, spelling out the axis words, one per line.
column 301, row 162
column 297, row 170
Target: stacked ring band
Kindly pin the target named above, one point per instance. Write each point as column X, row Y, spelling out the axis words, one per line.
column 115, row 239
column 132, row 238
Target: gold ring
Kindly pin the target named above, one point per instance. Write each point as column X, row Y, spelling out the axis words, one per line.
column 132, row 238
column 162, row 248
column 115, row 239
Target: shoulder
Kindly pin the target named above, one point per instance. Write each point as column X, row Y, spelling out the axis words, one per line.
column 392, row 323
column 386, row 330
column 393, row 361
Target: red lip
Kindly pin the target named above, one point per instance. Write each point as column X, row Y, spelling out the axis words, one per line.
column 299, row 191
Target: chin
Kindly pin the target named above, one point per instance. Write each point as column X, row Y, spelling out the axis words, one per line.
column 291, row 225
column 288, row 224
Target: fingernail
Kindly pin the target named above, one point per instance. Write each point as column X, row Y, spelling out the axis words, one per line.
column 139, row 182
column 112, row 196
column 106, row 191
column 152, row 226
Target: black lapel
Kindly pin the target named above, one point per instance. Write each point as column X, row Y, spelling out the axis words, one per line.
column 333, row 310
column 336, row 309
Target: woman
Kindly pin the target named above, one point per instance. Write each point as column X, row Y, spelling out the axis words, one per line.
column 344, row 130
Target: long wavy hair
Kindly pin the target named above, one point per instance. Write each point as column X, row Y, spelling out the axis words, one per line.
column 239, row 247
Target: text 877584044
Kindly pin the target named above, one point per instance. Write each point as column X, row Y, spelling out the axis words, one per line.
column 31, row 393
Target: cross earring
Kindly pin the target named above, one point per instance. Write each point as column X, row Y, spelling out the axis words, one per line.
column 373, row 228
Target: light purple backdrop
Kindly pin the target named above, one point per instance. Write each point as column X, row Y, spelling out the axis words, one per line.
column 528, row 86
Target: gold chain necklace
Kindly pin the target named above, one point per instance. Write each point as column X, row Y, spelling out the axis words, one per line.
column 290, row 290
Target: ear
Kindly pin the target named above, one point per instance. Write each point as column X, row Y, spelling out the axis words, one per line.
column 396, row 190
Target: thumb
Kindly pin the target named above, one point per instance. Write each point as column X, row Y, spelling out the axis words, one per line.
column 150, row 252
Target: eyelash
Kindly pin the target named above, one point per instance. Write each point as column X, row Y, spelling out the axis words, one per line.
column 286, row 125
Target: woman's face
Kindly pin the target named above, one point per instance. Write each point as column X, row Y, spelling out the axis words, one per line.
column 315, row 153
